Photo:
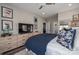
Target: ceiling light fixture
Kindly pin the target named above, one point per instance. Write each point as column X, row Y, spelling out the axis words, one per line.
column 43, row 13
column 69, row 5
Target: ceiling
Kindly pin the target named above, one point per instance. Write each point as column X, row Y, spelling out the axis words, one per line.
column 47, row 10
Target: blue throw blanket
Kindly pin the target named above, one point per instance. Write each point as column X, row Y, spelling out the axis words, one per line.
column 38, row 43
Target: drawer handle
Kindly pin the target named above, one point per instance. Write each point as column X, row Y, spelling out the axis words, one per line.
column 9, row 38
column 9, row 43
column 23, row 36
column 23, row 39
column 9, row 47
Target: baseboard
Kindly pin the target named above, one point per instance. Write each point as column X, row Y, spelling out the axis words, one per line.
column 13, row 51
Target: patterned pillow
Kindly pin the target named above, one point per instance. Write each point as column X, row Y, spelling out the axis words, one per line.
column 66, row 38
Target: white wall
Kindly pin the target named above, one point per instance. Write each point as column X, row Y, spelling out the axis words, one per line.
column 66, row 16
column 21, row 16
column 51, row 21
column 48, row 26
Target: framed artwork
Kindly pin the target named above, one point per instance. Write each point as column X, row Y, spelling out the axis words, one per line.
column 76, row 17
column 77, row 24
column 75, row 21
column 7, row 25
column 6, row 12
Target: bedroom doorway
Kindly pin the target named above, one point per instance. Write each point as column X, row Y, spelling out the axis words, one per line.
column 44, row 27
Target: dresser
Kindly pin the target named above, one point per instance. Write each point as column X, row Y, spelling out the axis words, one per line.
column 14, row 41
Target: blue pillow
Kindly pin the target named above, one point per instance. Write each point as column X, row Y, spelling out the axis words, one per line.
column 66, row 38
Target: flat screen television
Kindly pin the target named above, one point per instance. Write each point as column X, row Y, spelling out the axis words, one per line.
column 25, row 28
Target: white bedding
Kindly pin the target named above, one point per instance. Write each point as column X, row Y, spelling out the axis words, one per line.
column 54, row 48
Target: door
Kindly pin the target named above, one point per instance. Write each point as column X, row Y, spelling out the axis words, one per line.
column 48, row 27
column 44, row 27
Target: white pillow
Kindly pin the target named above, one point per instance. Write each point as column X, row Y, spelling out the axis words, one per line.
column 76, row 41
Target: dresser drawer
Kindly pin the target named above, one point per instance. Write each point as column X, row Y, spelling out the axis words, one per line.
column 1, row 51
column 20, row 37
column 20, row 43
column 11, row 42
column 4, row 43
column 8, row 42
column 8, row 46
column 35, row 33
column 30, row 34
column 8, row 39
column 14, row 45
column 4, row 40
column 5, row 48
column 23, row 37
column 14, row 38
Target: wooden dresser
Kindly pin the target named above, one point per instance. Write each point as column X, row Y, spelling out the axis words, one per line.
column 14, row 41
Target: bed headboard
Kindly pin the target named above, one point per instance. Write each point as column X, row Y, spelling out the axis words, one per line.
column 76, row 41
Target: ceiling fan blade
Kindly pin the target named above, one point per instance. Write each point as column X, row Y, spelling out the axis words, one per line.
column 41, row 7
column 45, row 5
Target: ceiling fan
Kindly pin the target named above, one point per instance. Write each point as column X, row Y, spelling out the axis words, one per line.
column 46, row 4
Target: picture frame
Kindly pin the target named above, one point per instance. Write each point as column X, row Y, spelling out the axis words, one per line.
column 76, row 17
column 77, row 24
column 6, row 12
column 75, row 21
column 7, row 25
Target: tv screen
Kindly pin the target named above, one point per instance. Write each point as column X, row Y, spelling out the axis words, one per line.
column 25, row 28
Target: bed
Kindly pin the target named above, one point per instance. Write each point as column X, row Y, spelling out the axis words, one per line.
column 54, row 48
